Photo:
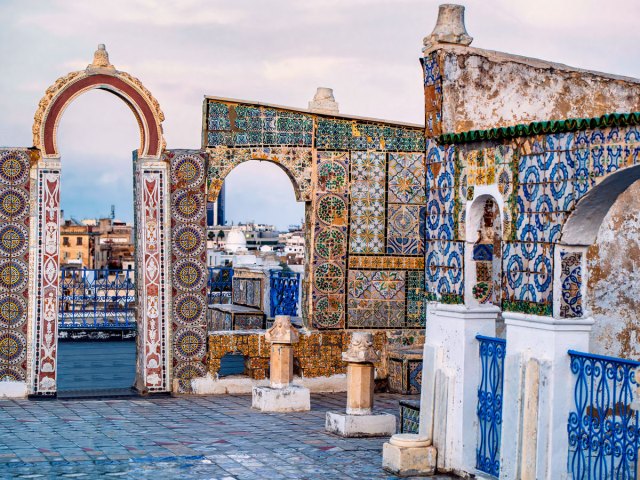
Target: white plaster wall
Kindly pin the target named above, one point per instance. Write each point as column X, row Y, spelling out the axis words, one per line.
column 613, row 284
column 485, row 89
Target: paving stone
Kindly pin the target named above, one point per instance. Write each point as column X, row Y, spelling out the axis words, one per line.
column 216, row 437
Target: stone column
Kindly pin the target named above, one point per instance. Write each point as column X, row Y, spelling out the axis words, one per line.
column 534, row 434
column 359, row 419
column 281, row 396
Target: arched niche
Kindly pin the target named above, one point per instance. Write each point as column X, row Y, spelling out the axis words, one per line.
column 483, row 252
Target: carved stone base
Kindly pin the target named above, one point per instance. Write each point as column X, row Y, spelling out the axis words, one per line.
column 345, row 425
column 288, row 399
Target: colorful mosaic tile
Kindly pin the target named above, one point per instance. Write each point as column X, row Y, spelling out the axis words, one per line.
column 407, row 178
column 14, row 262
column 367, row 202
column 404, row 232
column 376, row 299
column 189, row 274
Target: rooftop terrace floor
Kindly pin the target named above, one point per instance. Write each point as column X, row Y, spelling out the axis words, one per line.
column 212, row 437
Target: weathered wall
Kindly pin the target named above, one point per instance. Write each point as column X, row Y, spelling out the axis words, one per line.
column 614, row 279
column 317, row 354
column 483, row 89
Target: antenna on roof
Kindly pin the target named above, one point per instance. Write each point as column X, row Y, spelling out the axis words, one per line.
column 113, row 212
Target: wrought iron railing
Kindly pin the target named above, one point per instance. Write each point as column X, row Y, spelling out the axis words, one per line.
column 603, row 425
column 220, row 281
column 284, row 288
column 91, row 298
column 489, row 409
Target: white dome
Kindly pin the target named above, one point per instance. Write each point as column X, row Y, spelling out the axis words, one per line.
column 235, row 241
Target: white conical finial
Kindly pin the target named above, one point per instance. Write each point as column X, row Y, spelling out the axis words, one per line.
column 449, row 28
column 101, row 59
column 323, row 101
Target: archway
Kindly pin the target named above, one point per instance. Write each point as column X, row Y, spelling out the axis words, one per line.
column 599, row 261
column 263, row 241
column 151, row 196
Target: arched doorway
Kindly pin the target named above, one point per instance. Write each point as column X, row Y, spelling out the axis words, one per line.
column 151, row 197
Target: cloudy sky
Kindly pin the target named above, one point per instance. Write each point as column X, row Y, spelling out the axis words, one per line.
column 275, row 51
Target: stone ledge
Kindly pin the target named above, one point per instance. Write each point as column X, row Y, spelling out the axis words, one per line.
column 288, row 399
column 375, row 425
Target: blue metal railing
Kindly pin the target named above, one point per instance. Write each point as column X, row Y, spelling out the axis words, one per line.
column 489, row 409
column 284, row 288
column 91, row 298
column 219, row 284
column 603, row 427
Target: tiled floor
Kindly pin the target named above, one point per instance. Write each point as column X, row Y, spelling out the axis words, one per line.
column 214, row 437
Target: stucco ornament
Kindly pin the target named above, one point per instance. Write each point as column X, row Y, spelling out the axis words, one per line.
column 282, row 331
column 101, row 59
column 361, row 349
column 449, row 28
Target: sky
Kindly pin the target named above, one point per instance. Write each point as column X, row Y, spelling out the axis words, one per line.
column 275, row 51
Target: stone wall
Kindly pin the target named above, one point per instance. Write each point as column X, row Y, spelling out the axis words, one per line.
column 613, row 285
column 317, row 354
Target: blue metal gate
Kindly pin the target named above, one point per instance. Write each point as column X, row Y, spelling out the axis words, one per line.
column 284, row 288
column 489, row 410
column 603, row 427
column 97, row 298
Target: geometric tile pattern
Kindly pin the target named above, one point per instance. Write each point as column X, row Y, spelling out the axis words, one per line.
column 416, row 299
column 367, row 202
column 376, row 298
column 243, row 125
column 571, row 284
column 14, row 263
column 189, row 271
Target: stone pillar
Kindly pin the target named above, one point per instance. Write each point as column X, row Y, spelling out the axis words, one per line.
column 534, row 433
column 450, row 379
column 281, row 396
column 359, row 419
column 323, row 101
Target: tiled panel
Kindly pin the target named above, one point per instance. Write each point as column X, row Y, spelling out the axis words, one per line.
column 229, row 124
column 329, row 261
column 376, row 299
column 407, row 178
column 432, row 94
column 341, row 134
column 14, row 263
column 189, row 271
column 368, row 188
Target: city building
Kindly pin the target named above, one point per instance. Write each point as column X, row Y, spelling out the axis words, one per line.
column 76, row 245
column 114, row 244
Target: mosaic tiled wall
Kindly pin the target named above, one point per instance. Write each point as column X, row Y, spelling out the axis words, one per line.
column 432, row 94
column 365, row 182
column 540, row 179
column 189, row 271
column 14, row 263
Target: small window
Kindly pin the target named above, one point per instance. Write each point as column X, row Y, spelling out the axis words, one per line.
column 65, row 241
column 78, row 240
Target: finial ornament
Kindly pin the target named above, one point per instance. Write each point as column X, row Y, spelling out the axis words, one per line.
column 282, row 331
column 449, row 28
column 324, row 101
column 101, row 59
column 361, row 349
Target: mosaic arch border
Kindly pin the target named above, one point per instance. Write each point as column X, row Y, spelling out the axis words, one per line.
column 151, row 204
